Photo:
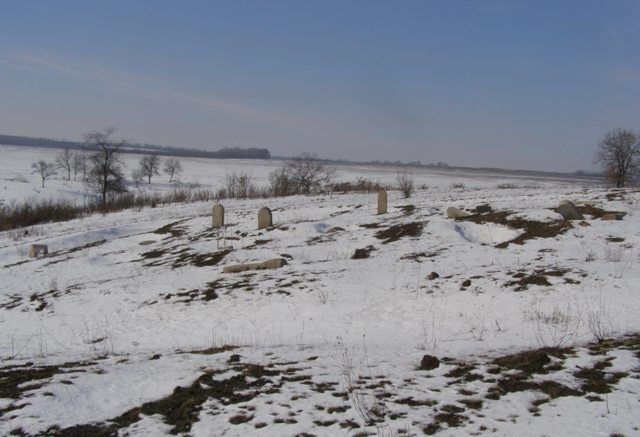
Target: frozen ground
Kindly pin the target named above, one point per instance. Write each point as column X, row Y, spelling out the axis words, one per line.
column 130, row 327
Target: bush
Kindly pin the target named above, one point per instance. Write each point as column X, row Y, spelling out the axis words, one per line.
column 362, row 185
column 406, row 182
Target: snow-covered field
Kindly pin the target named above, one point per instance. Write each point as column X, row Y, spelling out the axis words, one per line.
column 130, row 327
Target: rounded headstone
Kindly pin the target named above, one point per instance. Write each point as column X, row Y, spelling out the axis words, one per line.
column 264, row 218
column 217, row 216
column 568, row 211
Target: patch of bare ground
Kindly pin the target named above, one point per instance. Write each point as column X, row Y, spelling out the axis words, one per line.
column 181, row 409
column 370, row 225
column 172, row 229
column 200, row 259
column 180, row 257
column 419, row 256
column 363, row 253
column 407, row 209
column 599, row 213
column 17, row 381
column 533, row 361
column 537, row 277
column 395, row 232
column 531, row 228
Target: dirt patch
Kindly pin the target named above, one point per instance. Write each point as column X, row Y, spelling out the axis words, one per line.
column 395, row 232
column 172, row 229
column 78, row 248
column 531, row 228
column 363, row 253
column 596, row 380
column 600, row 213
column 612, row 239
column 370, row 225
column 538, row 277
column 16, row 380
column 418, row 256
column 532, row 361
column 181, row 409
column 200, row 259
column 407, row 209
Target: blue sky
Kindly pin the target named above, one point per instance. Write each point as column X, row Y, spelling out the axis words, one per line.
column 517, row 84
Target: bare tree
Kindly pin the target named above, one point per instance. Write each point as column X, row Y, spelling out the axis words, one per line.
column 64, row 161
column 280, row 183
column 149, row 164
column 79, row 163
column 308, row 173
column 44, row 169
column 619, row 156
column 105, row 174
column 137, row 176
column 406, row 182
column 240, row 186
column 172, row 167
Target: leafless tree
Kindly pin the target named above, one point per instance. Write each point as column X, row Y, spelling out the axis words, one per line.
column 619, row 156
column 105, row 174
column 307, row 173
column 44, row 169
column 172, row 167
column 149, row 164
column 64, row 161
column 280, row 183
column 137, row 176
column 240, row 186
column 406, row 182
column 78, row 164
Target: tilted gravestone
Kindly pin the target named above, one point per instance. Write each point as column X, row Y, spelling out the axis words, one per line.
column 264, row 218
column 217, row 217
column 568, row 211
column 382, row 202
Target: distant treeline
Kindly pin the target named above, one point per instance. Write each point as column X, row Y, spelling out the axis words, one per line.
column 224, row 153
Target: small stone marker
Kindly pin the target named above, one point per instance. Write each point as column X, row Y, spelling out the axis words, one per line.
column 454, row 213
column 275, row 263
column 38, row 249
column 217, row 216
column 382, row 202
column 264, row 218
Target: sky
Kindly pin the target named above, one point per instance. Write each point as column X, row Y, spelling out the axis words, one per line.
column 511, row 84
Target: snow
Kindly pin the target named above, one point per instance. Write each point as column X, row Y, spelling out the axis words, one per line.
column 117, row 294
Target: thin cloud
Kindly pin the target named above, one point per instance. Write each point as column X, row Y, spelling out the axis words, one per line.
column 138, row 85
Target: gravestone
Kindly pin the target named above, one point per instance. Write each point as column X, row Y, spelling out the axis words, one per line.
column 269, row 264
column 38, row 249
column 568, row 211
column 264, row 218
column 217, row 217
column 382, row 202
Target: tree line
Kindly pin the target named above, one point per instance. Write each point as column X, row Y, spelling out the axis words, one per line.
column 224, row 153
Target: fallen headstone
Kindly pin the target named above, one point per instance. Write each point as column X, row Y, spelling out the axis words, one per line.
column 36, row 250
column 454, row 213
column 275, row 263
